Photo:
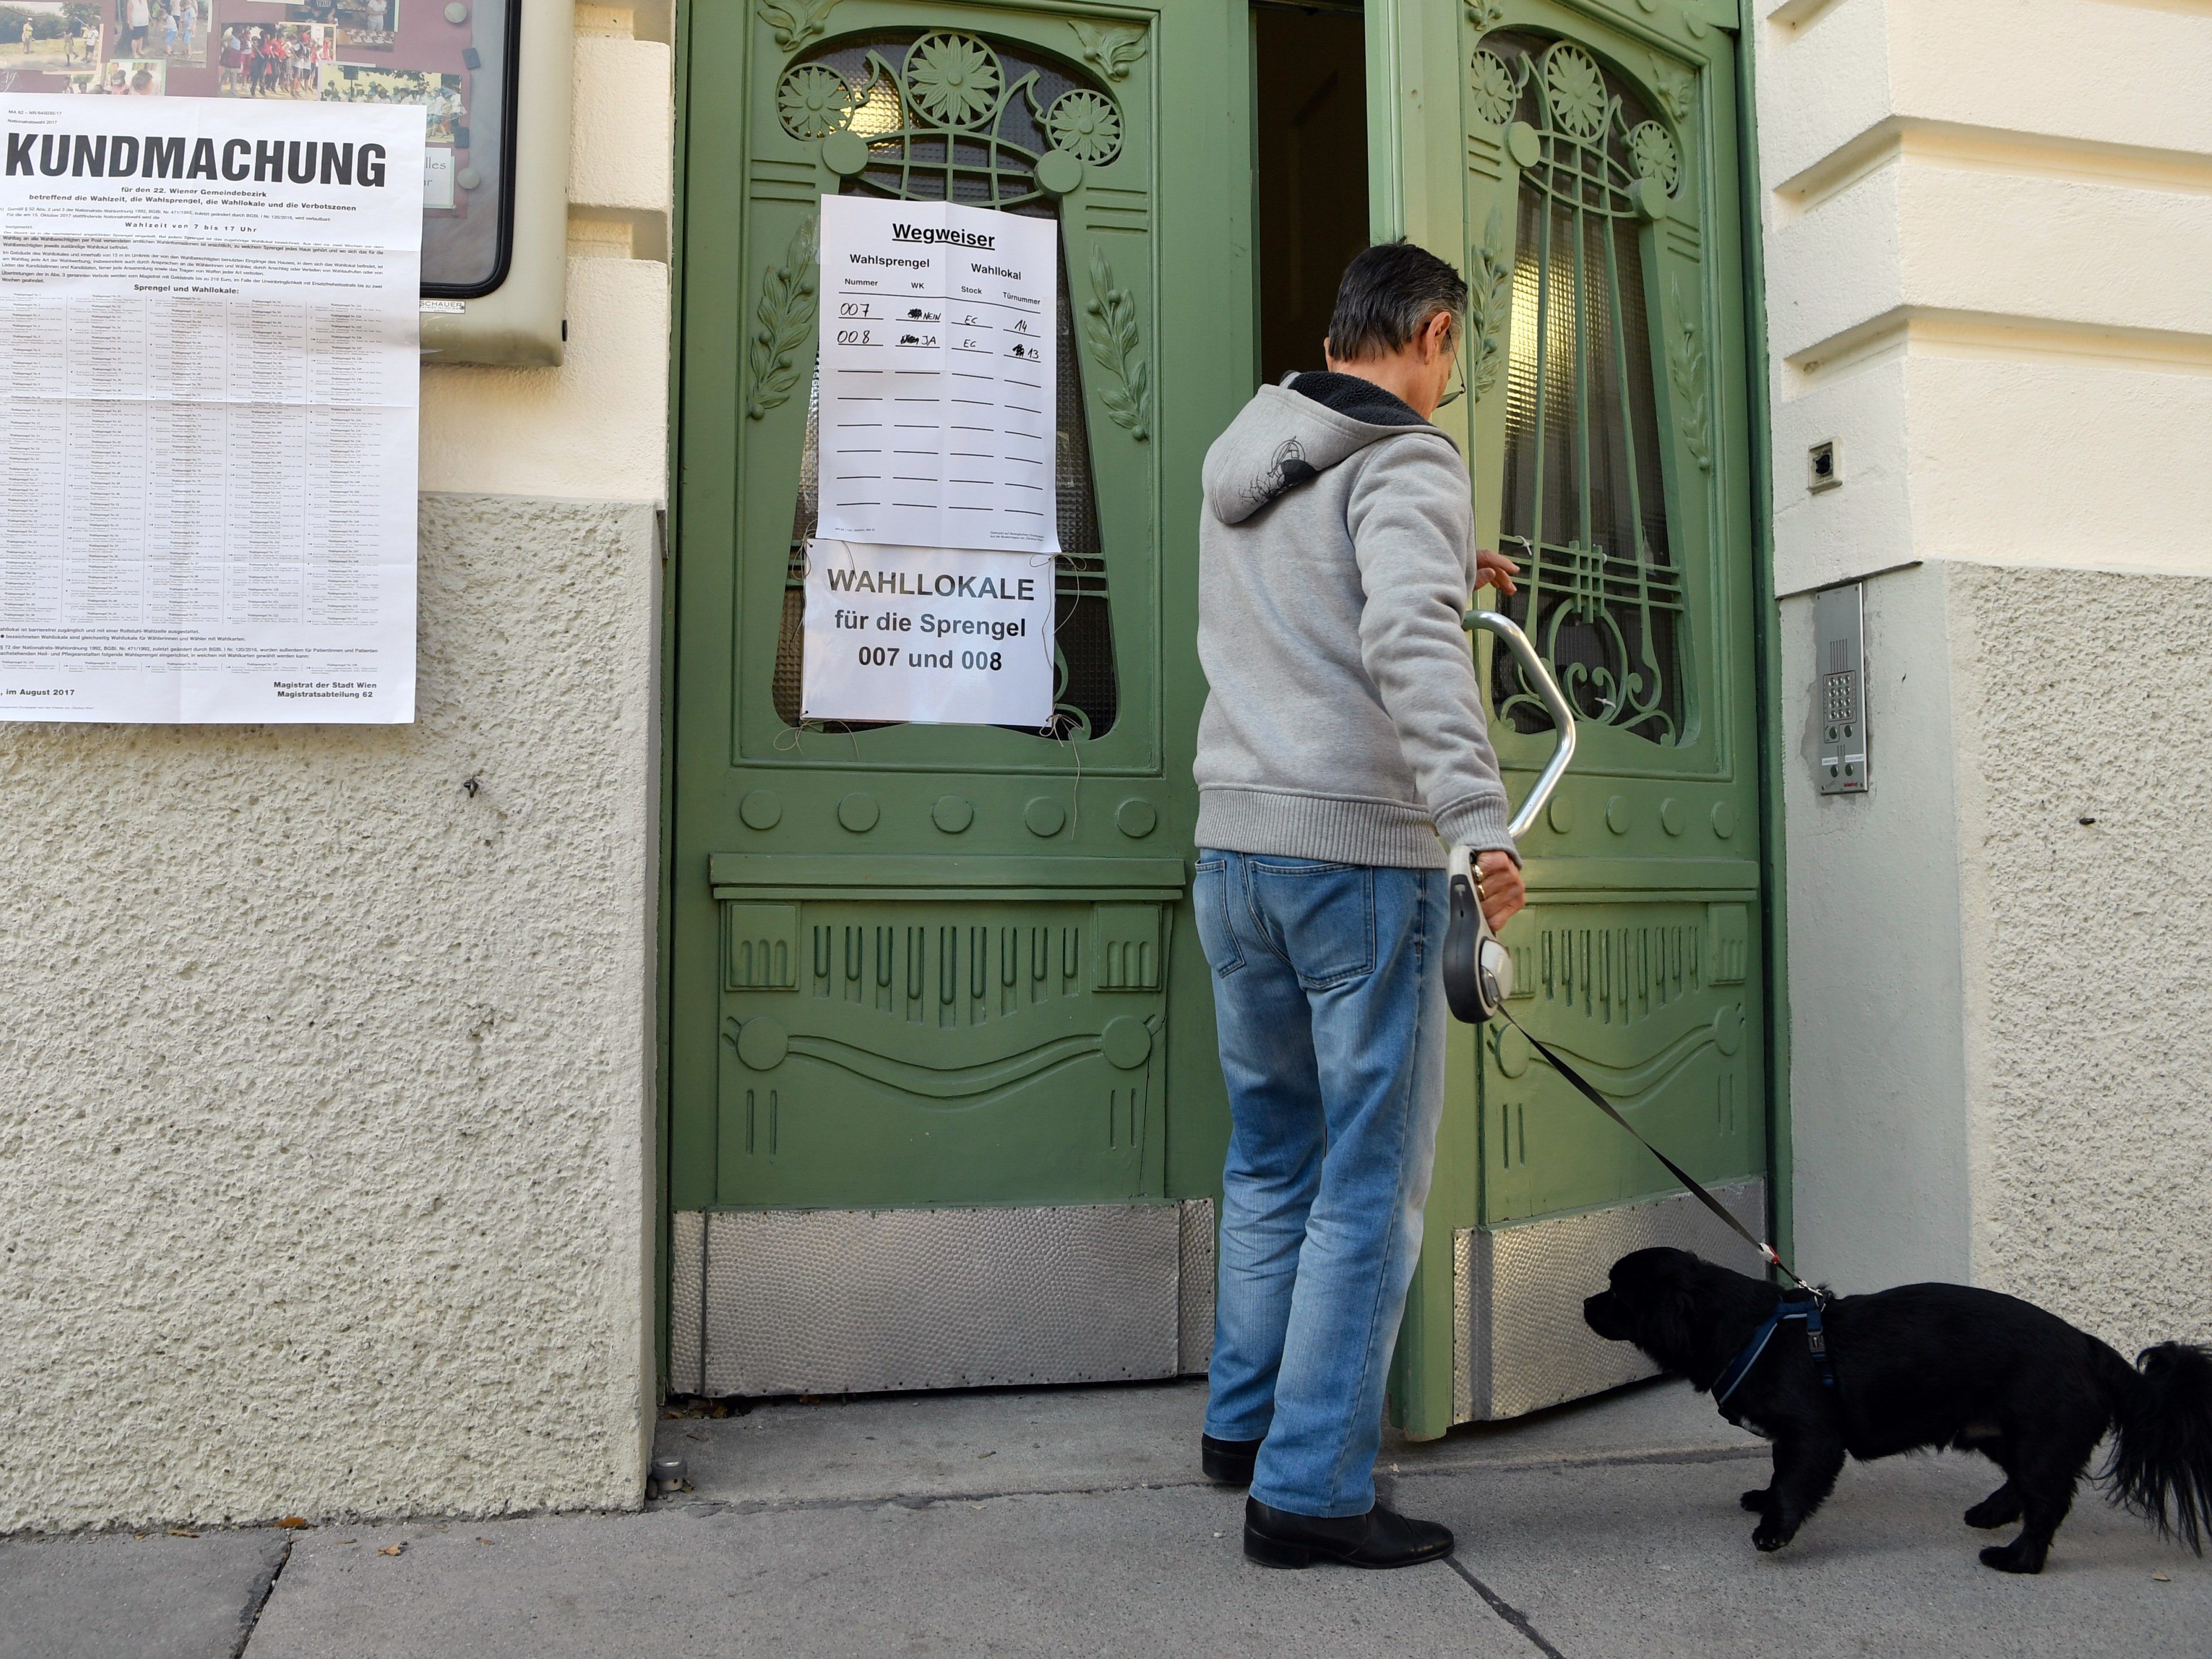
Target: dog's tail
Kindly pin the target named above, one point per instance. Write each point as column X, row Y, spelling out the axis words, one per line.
column 2161, row 1461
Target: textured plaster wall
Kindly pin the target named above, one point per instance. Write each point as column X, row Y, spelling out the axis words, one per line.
column 324, row 1093
column 1984, row 262
column 327, row 1122
column 2089, row 980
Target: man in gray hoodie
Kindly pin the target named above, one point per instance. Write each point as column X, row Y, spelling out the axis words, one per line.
column 1343, row 746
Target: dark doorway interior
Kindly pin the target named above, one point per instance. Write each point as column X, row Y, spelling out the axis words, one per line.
column 1311, row 160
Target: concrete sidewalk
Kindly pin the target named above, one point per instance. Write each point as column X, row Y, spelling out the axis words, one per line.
column 1073, row 1522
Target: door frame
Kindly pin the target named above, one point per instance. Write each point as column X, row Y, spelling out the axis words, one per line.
column 1771, row 748
column 660, row 1224
column 1767, row 647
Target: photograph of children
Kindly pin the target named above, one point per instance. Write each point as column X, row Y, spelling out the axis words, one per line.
column 272, row 60
column 353, row 40
column 124, row 78
column 378, row 14
column 179, row 31
column 49, row 36
column 439, row 94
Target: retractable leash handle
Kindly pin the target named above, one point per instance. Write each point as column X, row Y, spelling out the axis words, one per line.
column 1477, row 969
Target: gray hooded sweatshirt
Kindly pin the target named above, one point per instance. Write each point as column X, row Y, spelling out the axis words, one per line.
column 1343, row 719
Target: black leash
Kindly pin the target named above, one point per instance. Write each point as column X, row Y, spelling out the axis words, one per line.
column 1767, row 1252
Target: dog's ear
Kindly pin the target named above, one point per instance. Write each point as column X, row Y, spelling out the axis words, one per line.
column 1670, row 1317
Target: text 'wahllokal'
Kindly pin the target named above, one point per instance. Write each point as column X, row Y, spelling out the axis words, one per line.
column 849, row 580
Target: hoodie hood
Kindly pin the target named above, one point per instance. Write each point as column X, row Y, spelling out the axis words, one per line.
column 1294, row 432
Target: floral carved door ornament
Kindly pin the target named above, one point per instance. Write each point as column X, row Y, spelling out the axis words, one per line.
column 1584, row 499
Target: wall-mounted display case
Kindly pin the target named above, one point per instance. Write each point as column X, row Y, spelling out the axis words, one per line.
column 492, row 77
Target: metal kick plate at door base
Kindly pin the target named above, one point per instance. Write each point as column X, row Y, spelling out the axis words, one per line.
column 1839, row 689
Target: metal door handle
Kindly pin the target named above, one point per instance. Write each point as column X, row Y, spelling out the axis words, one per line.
column 1563, row 714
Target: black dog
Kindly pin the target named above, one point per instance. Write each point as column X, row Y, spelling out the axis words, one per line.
column 1926, row 1366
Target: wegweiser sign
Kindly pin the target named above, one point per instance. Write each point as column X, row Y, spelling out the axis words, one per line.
column 940, row 367
column 209, row 393
column 924, row 634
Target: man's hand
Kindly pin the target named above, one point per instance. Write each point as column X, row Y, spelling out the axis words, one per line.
column 1498, row 889
column 1495, row 570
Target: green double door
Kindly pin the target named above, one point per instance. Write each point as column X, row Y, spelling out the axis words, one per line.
column 944, row 1108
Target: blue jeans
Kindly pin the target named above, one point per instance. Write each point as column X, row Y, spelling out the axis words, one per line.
column 1329, row 996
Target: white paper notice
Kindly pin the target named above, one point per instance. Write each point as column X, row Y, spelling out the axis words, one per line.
column 939, row 361
column 208, row 409
column 928, row 633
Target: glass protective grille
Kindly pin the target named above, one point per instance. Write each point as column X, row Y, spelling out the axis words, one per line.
column 1584, row 502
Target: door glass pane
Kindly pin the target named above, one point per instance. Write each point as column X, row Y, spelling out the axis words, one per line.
column 951, row 115
column 1584, row 502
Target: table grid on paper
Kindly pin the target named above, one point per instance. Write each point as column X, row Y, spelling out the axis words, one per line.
column 937, row 421
column 211, row 461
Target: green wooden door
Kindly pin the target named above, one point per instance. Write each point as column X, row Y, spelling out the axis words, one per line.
column 1580, row 162
column 938, row 968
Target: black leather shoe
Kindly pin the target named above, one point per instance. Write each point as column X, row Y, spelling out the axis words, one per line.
column 1380, row 1538
column 1229, row 1461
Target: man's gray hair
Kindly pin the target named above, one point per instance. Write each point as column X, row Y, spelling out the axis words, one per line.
column 1388, row 294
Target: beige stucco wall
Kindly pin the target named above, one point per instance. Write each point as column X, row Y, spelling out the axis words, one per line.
column 1985, row 255
column 2086, row 819
column 326, row 1095
column 324, row 1119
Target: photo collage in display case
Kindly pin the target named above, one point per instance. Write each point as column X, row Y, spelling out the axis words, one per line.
column 453, row 59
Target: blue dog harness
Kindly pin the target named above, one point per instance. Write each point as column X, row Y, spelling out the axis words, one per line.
column 1807, row 1308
